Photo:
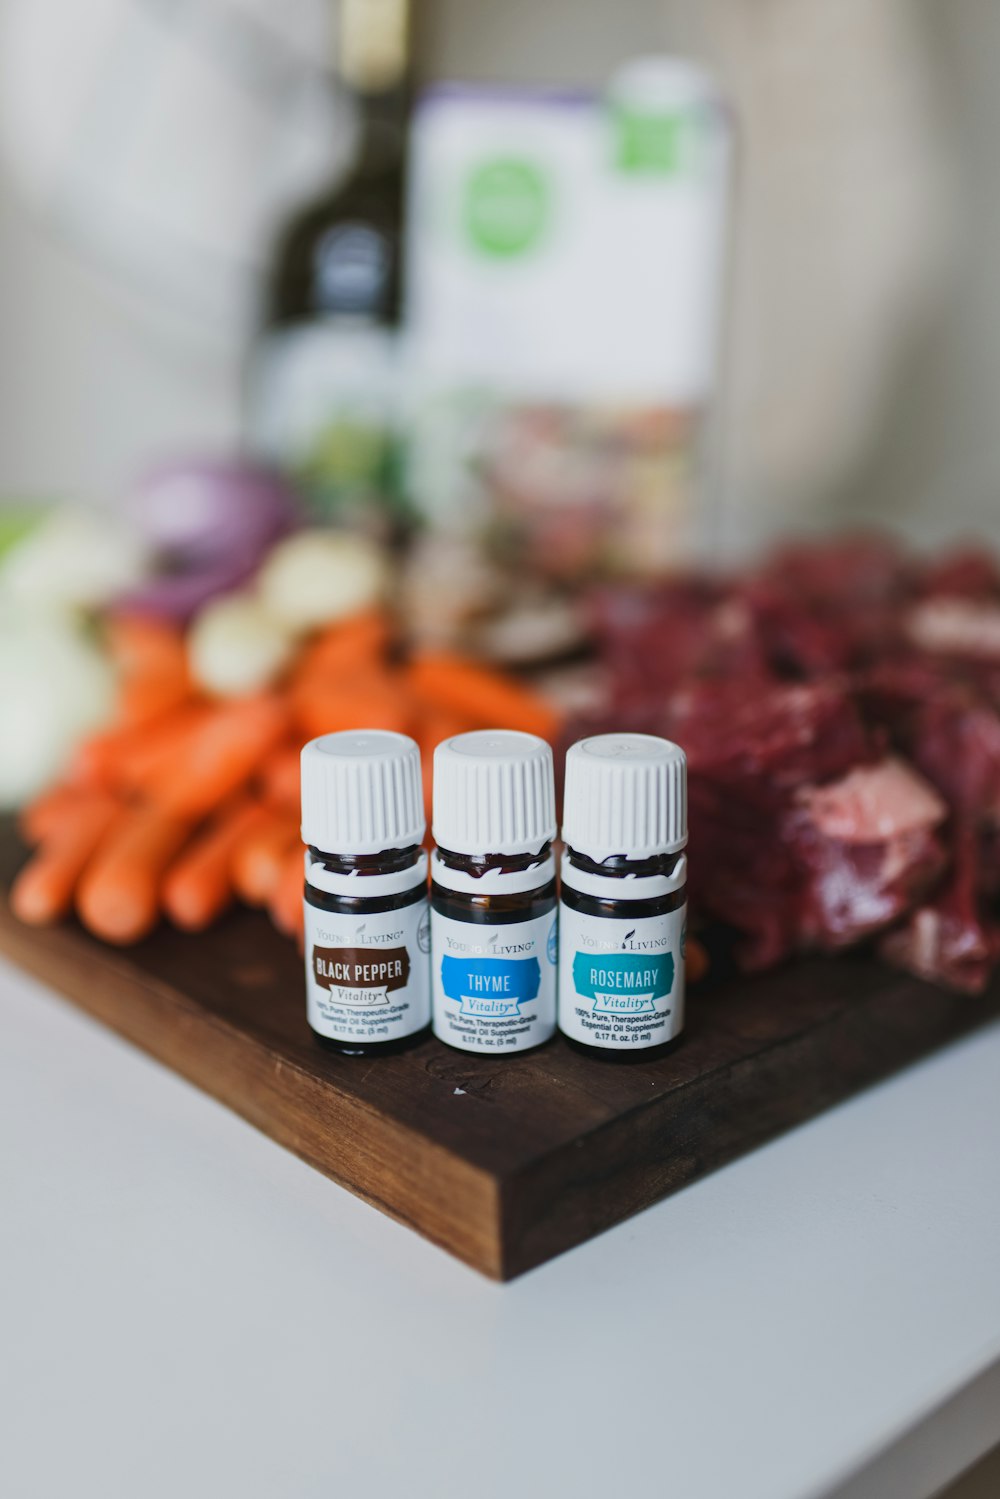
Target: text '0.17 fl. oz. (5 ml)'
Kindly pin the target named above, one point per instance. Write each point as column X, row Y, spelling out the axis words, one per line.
column 493, row 893
column 367, row 921
column 624, row 896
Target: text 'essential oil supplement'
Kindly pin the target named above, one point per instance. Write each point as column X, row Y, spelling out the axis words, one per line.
column 493, row 896
column 367, row 921
column 624, row 895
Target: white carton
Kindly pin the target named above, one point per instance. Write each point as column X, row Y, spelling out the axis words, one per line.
column 563, row 288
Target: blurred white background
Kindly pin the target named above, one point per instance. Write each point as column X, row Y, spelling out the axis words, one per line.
column 864, row 340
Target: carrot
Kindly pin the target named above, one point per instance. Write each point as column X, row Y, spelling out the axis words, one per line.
column 118, row 897
column 280, row 778
column 152, row 658
column 353, row 646
column 259, row 854
column 220, row 755
column 157, row 748
column 141, row 646
column 285, row 904
column 487, row 697
column 146, row 699
column 373, row 702
column 199, row 884
column 131, row 755
column 45, row 815
column 95, row 760
column 43, row 890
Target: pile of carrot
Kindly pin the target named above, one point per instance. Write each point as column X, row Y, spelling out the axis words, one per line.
column 186, row 804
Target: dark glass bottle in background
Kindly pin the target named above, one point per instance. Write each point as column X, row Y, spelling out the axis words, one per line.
column 324, row 391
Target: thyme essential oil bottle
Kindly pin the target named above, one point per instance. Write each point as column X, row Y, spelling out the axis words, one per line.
column 493, row 893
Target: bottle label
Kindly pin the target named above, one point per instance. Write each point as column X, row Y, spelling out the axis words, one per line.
column 494, row 986
column 368, row 977
column 621, row 980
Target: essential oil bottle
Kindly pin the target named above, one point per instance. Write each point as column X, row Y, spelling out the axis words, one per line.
column 493, row 893
column 624, row 896
column 367, row 921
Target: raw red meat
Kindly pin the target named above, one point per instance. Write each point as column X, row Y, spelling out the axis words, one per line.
column 840, row 708
column 947, row 939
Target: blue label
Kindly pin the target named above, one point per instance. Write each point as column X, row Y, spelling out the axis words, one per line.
column 623, row 983
column 490, row 988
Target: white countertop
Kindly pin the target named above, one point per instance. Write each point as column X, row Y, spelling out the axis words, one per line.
column 186, row 1309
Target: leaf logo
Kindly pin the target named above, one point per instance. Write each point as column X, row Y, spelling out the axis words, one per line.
column 491, row 941
column 627, row 937
column 360, row 931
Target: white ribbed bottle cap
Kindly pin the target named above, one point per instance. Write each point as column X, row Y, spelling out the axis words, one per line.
column 361, row 792
column 493, row 793
column 625, row 794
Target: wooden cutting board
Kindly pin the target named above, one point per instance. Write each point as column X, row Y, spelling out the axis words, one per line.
column 504, row 1162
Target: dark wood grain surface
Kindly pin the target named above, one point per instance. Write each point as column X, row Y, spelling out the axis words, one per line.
column 504, row 1162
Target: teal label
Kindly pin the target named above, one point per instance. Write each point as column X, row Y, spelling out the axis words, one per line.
column 623, row 983
column 490, row 988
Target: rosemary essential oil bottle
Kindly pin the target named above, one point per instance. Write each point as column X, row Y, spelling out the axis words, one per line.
column 624, row 896
column 367, row 923
column 493, row 893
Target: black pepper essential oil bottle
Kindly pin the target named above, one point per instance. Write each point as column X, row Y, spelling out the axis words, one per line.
column 367, row 923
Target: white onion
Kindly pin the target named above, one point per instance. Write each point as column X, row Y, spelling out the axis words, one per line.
column 75, row 559
column 319, row 576
column 55, row 686
column 235, row 645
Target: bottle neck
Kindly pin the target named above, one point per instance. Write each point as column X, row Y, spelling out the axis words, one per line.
column 478, row 865
column 386, row 861
column 623, row 879
column 621, row 867
column 373, row 61
column 360, row 876
column 493, row 874
column 381, row 138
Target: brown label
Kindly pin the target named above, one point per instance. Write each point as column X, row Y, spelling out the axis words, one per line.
column 378, row 968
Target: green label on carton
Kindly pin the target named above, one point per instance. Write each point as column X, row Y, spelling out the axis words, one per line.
column 656, row 144
column 506, row 207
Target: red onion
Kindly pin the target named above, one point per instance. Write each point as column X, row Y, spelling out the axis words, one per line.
column 211, row 523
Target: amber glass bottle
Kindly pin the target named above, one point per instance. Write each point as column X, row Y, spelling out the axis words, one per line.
column 367, row 926
column 624, row 897
column 493, row 896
